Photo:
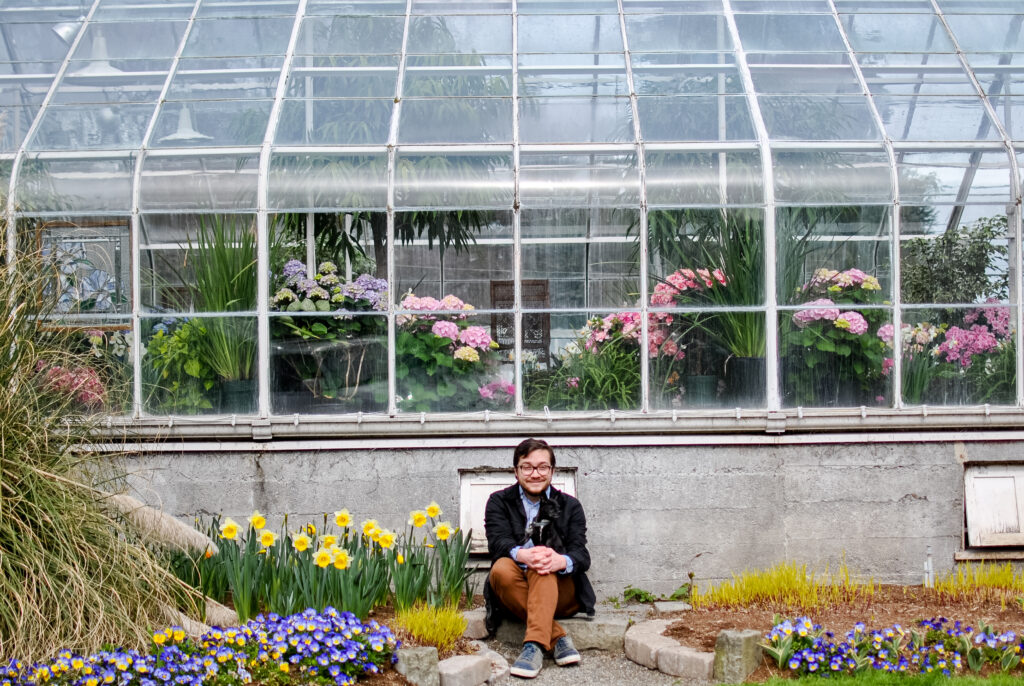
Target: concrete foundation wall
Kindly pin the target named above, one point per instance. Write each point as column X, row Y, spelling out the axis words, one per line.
column 655, row 512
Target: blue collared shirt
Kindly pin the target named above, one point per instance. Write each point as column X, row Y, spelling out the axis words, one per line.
column 532, row 509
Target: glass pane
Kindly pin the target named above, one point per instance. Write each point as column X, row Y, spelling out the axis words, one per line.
column 465, row 81
column 96, row 373
column 935, row 118
column 466, row 34
column 553, row 180
column 350, row 35
column 76, row 90
column 129, row 40
column 201, row 263
column 357, row 7
column 462, row 371
column 467, row 180
column 325, row 181
column 468, row 272
column 669, row 6
column 39, row 45
column 695, row 118
column 140, row 12
column 462, row 6
column 91, row 266
column 987, row 32
column 834, row 356
column 569, row 33
column 831, row 176
column 588, row 258
column 334, row 122
column 211, row 123
column 1010, row 110
column 198, row 365
column 926, row 79
column 343, row 83
column 232, row 37
column 695, row 80
column 958, row 356
column 961, row 263
column 575, row 120
column 893, row 6
column 789, row 33
column 79, row 185
column 836, row 252
column 565, row 6
column 251, row 85
column 703, row 178
column 16, row 126
column 823, row 80
column 234, row 8
column 181, row 183
column 677, row 32
column 593, row 364
column 686, row 362
column 456, row 120
column 91, row 127
column 821, row 118
column 953, row 176
column 573, row 81
column 896, row 33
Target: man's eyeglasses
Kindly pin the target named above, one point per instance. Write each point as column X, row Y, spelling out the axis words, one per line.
column 528, row 469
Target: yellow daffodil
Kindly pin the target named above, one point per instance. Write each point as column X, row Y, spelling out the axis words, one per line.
column 368, row 526
column 329, row 540
column 229, row 529
column 342, row 518
column 417, row 518
column 257, row 520
column 443, row 530
column 311, row 529
column 375, row 534
column 341, row 559
column 267, row 538
column 433, row 510
column 387, row 539
column 300, row 542
column 322, row 558
column 400, row 559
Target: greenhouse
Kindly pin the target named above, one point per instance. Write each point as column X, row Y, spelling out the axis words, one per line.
column 609, row 215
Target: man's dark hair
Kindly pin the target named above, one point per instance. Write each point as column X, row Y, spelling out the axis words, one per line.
column 527, row 447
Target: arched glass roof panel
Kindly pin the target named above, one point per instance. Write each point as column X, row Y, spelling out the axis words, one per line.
column 243, row 8
column 896, row 33
column 455, row 120
column 782, row 6
column 695, row 118
column 452, row 178
column 328, row 181
column 684, row 179
column 953, row 177
column 987, row 32
column 888, row 6
column 821, row 79
column 462, row 6
column 832, row 177
column 789, row 33
column 575, row 120
column 343, row 82
column 935, row 118
column 141, row 45
column 238, row 37
column 352, row 121
column 460, row 34
column 350, row 35
column 819, row 117
column 670, row 6
column 569, row 33
column 89, row 88
column 553, row 180
column 36, row 47
column 567, row 7
column 101, row 185
column 355, row 7
column 676, row 33
column 113, row 126
column 211, row 123
column 122, row 10
column 206, row 180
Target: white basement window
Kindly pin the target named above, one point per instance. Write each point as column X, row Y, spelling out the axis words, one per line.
column 994, row 498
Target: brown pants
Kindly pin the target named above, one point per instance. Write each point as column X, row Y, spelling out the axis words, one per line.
column 535, row 598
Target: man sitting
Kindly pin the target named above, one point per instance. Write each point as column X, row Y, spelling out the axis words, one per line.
column 535, row 582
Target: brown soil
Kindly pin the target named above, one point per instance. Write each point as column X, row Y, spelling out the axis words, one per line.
column 904, row 605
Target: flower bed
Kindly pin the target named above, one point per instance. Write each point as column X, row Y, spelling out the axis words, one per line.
column 308, row 647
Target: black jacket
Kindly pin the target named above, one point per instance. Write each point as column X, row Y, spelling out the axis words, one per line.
column 505, row 522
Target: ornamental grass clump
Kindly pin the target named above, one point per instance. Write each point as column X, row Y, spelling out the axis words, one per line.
column 786, row 586
column 436, row 626
column 981, row 582
column 72, row 570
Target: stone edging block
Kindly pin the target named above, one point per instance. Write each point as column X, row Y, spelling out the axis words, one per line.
column 644, row 640
column 737, row 653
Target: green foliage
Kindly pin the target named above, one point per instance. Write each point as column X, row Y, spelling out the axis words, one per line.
column 73, row 571
column 452, row 574
column 436, row 626
column 965, row 264
column 176, row 377
column 785, row 586
column 638, row 595
column 881, row 678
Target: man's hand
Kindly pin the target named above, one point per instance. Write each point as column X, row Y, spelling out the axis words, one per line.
column 542, row 559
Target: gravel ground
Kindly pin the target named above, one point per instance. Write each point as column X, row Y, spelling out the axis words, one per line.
column 597, row 668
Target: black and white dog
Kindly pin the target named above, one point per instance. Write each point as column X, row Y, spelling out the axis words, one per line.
column 542, row 529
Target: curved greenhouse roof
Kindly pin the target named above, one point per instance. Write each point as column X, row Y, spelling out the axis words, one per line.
column 775, row 187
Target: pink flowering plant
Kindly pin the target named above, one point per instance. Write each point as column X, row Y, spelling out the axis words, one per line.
column 445, row 362
column 829, row 348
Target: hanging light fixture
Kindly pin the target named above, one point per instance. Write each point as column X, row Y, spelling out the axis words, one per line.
column 99, row 63
column 66, row 30
column 186, row 132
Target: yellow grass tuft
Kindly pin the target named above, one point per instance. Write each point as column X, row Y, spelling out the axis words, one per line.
column 981, row 582
column 436, row 626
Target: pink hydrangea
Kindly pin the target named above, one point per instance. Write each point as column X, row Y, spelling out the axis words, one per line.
column 475, row 336
column 998, row 318
column 445, row 329
column 467, row 354
column 853, row 322
column 500, row 390
column 886, row 332
column 816, row 311
column 887, row 365
column 683, row 280
column 962, row 344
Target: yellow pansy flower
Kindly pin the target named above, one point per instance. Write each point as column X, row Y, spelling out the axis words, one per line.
column 322, row 558
column 341, row 559
column 284, row 667
column 159, row 638
column 329, row 540
column 178, row 634
column 368, row 526
column 443, row 530
column 417, row 518
column 387, row 539
column 300, row 542
column 229, row 529
column 342, row 518
column 433, row 509
column 267, row 538
column 257, row 520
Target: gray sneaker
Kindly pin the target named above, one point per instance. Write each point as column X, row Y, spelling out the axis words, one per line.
column 565, row 652
column 529, row 662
